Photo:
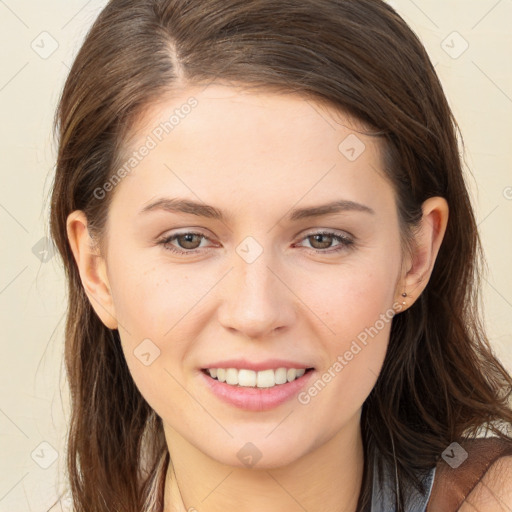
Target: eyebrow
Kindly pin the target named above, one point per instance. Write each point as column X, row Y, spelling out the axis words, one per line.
column 178, row 205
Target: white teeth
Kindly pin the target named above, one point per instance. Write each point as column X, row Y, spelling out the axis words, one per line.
column 280, row 376
column 231, row 376
column 250, row 378
column 246, row 378
column 266, row 379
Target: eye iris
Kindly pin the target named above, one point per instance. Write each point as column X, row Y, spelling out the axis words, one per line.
column 187, row 236
column 325, row 244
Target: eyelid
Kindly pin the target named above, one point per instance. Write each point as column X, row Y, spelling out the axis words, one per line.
column 317, row 231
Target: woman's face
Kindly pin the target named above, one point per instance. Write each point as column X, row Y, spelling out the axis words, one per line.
column 259, row 288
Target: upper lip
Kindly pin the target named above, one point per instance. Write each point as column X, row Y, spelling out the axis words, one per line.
column 268, row 364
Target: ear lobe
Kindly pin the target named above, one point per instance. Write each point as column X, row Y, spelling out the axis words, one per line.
column 92, row 268
column 427, row 243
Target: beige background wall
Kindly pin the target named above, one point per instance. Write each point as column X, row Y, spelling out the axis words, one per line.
column 469, row 42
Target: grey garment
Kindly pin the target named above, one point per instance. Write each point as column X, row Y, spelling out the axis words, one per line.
column 383, row 496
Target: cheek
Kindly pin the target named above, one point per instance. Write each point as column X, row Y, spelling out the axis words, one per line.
column 140, row 294
column 343, row 385
column 151, row 298
column 354, row 297
column 359, row 313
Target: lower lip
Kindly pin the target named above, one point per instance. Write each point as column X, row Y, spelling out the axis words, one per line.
column 256, row 399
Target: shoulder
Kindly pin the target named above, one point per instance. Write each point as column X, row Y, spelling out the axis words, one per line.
column 475, row 475
column 493, row 493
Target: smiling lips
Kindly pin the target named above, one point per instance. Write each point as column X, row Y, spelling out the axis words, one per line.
column 256, row 386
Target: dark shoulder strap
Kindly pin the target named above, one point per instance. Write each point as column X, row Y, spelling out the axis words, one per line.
column 453, row 484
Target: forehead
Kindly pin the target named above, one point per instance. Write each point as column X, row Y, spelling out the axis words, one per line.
column 229, row 143
column 243, row 109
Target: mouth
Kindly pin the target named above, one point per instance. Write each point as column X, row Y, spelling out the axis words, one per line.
column 263, row 379
column 256, row 390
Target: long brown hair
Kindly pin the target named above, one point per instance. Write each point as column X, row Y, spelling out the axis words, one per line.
column 440, row 380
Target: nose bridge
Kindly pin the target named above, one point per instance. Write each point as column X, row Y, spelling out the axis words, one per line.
column 254, row 278
column 256, row 301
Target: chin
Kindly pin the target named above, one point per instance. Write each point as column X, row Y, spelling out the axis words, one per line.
column 258, row 452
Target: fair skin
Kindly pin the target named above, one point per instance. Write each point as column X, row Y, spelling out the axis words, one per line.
column 256, row 156
column 494, row 492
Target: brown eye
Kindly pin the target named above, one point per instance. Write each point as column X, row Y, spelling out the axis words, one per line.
column 321, row 242
column 187, row 243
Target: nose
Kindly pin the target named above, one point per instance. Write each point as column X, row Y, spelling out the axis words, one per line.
column 256, row 298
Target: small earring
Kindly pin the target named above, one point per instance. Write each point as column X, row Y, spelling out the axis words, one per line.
column 404, row 295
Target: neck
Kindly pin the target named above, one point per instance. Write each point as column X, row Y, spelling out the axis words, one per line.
column 327, row 479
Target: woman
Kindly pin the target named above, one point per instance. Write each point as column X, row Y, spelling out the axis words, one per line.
column 272, row 262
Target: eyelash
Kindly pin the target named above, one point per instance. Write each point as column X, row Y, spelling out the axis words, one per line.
column 345, row 242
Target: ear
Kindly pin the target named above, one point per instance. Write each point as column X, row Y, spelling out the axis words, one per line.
column 92, row 268
column 427, row 242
